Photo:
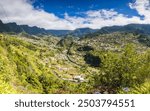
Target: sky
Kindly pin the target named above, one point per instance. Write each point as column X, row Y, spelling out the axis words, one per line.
column 72, row 14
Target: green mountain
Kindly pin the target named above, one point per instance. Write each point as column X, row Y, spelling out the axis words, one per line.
column 13, row 27
column 131, row 28
column 35, row 66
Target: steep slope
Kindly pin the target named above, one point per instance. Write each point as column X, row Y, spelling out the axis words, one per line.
column 124, row 62
column 29, row 66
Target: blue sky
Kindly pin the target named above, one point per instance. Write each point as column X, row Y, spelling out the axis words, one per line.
column 72, row 14
column 76, row 7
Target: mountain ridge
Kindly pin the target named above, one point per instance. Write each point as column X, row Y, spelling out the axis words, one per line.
column 79, row 32
column 130, row 28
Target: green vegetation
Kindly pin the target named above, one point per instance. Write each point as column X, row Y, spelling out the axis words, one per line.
column 107, row 63
column 126, row 69
column 24, row 69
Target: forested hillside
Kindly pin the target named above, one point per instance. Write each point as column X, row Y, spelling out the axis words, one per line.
column 28, row 66
column 106, row 63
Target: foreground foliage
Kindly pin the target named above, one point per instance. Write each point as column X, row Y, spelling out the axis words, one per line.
column 126, row 69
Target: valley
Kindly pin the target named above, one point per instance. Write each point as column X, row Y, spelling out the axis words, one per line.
column 101, row 63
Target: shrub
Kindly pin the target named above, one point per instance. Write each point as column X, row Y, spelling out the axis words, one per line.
column 122, row 70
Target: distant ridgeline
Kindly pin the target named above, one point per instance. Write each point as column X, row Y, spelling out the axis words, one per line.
column 13, row 27
column 80, row 32
column 143, row 29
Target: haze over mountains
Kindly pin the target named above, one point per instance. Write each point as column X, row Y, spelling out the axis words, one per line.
column 13, row 27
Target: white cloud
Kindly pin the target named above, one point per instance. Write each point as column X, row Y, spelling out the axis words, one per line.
column 101, row 18
column 22, row 12
column 143, row 9
column 106, row 14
